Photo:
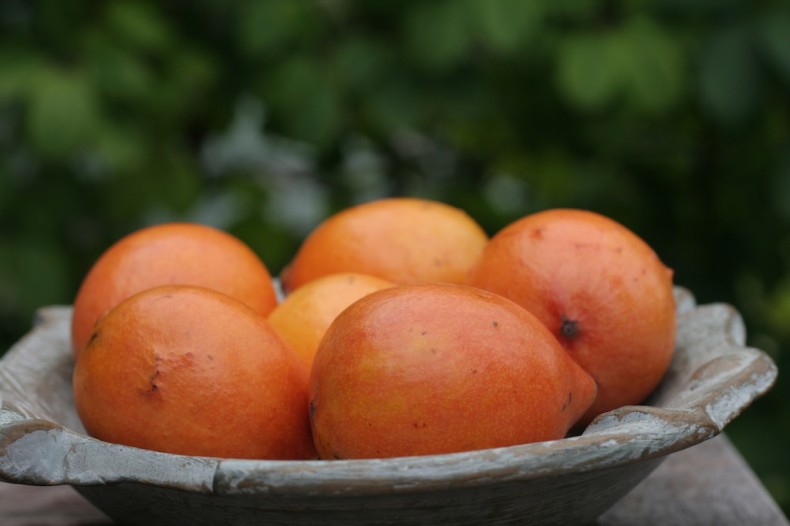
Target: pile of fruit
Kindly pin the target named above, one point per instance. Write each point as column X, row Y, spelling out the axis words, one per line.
column 402, row 329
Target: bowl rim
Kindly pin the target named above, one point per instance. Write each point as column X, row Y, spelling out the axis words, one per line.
column 714, row 377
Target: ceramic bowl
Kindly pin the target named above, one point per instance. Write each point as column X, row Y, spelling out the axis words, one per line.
column 712, row 379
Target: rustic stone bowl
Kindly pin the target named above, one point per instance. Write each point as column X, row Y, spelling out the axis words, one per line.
column 571, row 481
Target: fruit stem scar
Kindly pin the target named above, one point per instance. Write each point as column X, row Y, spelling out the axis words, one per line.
column 93, row 338
column 569, row 328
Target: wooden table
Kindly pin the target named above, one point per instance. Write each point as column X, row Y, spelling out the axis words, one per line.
column 708, row 484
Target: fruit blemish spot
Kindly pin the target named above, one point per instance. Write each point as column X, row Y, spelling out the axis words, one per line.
column 569, row 328
column 567, row 401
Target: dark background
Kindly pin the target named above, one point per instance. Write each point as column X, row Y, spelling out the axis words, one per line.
column 262, row 117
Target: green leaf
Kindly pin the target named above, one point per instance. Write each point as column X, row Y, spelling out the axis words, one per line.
column 267, row 26
column 295, row 78
column 119, row 72
column 360, row 62
column 652, row 63
column 395, row 106
column 32, row 274
column 638, row 62
column 698, row 8
column 575, row 10
column 729, row 80
column 773, row 31
column 63, row 113
column 781, row 186
column 506, row 24
column 586, row 73
column 305, row 99
column 439, row 34
column 122, row 148
column 778, row 308
column 138, row 25
column 179, row 182
column 19, row 71
column 191, row 74
column 318, row 119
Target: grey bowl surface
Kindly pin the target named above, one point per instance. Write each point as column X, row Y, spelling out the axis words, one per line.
column 712, row 379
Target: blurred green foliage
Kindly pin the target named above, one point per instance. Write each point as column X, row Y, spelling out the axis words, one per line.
column 263, row 116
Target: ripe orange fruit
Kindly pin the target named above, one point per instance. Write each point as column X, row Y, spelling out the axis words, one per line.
column 302, row 318
column 403, row 240
column 598, row 287
column 438, row 368
column 191, row 371
column 172, row 253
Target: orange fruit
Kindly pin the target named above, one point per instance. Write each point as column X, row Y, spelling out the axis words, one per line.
column 598, row 287
column 302, row 318
column 192, row 371
column 171, row 253
column 437, row 368
column 403, row 240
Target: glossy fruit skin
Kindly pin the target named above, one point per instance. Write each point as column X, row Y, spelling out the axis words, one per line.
column 598, row 287
column 167, row 254
column 189, row 370
column 438, row 368
column 402, row 240
column 303, row 317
